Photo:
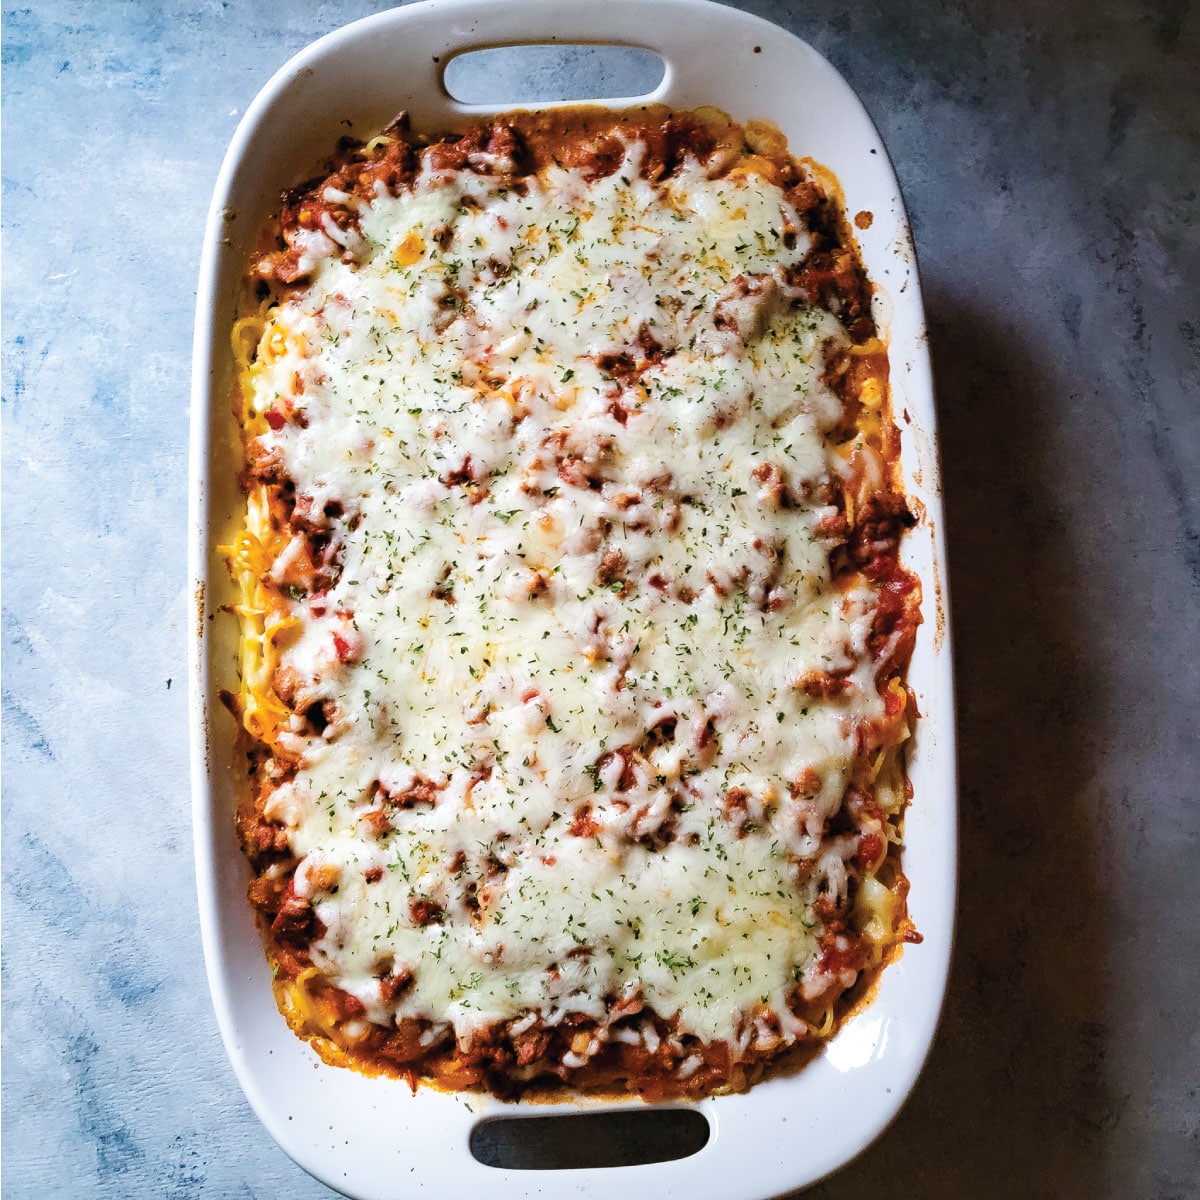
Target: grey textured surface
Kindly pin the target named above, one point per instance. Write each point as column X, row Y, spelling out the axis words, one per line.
column 1050, row 156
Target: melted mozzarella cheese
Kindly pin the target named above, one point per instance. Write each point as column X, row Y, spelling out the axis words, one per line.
column 573, row 612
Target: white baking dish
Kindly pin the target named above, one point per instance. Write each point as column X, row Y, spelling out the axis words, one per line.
column 374, row 1138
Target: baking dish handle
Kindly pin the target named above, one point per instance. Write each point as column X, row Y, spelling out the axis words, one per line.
column 672, row 29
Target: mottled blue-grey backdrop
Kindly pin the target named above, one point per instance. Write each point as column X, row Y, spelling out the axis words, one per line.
column 1050, row 156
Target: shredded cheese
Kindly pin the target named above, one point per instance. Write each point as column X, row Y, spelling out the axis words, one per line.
column 571, row 441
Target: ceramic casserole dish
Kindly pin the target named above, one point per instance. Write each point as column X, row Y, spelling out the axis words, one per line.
column 373, row 1137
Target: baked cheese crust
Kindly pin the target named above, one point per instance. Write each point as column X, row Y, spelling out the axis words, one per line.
column 573, row 625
